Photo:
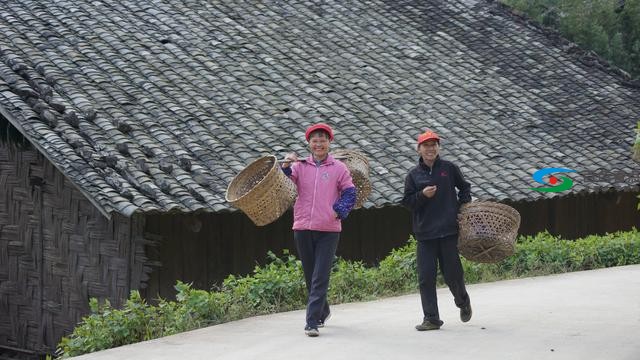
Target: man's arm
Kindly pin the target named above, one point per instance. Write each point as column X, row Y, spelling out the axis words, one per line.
column 413, row 198
column 464, row 187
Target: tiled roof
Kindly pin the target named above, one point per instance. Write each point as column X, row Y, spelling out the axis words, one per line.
column 156, row 105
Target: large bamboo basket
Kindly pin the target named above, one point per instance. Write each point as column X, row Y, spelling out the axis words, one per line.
column 487, row 231
column 358, row 165
column 262, row 191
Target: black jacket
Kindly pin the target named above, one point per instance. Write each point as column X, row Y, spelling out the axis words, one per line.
column 435, row 217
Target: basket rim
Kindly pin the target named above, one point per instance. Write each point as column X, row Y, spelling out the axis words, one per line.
column 246, row 168
column 350, row 152
column 485, row 205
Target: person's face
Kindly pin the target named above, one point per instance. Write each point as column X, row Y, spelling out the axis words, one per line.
column 429, row 150
column 319, row 144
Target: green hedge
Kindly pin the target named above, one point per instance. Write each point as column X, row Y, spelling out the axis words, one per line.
column 279, row 286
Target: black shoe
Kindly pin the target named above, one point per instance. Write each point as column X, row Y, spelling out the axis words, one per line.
column 311, row 332
column 429, row 325
column 465, row 313
column 322, row 322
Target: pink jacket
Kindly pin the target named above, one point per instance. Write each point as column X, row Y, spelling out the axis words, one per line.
column 318, row 189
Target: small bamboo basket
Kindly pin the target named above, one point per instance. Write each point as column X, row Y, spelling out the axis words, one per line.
column 358, row 165
column 262, row 191
column 487, row 231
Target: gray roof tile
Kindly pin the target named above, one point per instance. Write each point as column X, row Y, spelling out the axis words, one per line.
column 155, row 106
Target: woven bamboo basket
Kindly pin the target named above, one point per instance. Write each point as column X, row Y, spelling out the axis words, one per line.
column 358, row 165
column 487, row 231
column 262, row 191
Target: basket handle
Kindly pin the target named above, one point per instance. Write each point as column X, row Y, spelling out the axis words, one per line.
column 284, row 161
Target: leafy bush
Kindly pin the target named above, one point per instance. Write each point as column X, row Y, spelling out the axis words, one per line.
column 545, row 254
column 397, row 274
column 351, row 281
column 107, row 327
column 279, row 286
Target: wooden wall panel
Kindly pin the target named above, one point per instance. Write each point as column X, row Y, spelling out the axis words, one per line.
column 229, row 243
column 579, row 215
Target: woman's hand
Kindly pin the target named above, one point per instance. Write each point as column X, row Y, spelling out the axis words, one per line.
column 288, row 159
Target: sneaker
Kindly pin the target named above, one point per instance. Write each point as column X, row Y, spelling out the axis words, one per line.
column 465, row 313
column 322, row 322
column 311, row 332
column 429, row 325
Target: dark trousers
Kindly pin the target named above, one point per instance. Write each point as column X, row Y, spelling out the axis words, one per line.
column 445, row 252
column 316, row 250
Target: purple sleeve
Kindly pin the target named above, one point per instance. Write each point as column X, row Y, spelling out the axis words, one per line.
column 345, row 204
column 291, row 172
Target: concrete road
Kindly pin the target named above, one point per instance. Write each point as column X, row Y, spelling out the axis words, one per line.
column 582, row 315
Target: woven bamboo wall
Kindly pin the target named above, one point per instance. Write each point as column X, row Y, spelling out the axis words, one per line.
column 57, row 251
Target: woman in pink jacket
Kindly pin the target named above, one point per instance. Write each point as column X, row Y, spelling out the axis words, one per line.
column 326, row 195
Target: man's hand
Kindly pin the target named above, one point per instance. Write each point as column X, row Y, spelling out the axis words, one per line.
column 429, row 191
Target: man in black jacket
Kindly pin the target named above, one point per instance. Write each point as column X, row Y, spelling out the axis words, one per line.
column 430, row 194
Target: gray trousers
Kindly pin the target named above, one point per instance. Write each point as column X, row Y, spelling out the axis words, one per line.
column 316, row 250
column 443, row 251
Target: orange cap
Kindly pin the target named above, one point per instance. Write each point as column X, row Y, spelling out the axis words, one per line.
column 428, row 135
column 319, row 126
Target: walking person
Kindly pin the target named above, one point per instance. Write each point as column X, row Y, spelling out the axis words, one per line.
column 326, row 195
column 430, row 193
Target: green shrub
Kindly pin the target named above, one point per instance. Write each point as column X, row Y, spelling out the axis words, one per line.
column 107, row 327
column 396, row 274
column 547, row 254
column 351, row 281
column 279, row 286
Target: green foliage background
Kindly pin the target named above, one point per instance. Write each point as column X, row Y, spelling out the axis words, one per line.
column 611, row 28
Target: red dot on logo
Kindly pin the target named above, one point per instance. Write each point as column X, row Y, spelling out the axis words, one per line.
column 553, row 180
